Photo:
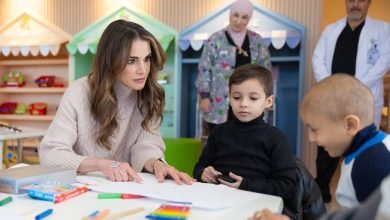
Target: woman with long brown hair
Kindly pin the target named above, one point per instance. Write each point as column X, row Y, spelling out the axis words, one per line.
column 110, row 120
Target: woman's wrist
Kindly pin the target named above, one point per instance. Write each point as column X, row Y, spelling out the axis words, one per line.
column 157, row 163
column 90, row 165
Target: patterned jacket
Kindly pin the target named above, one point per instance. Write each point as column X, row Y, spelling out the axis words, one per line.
column 217, row 64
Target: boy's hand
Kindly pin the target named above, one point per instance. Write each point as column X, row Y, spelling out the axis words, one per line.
column 210, row 175
column 235, row 184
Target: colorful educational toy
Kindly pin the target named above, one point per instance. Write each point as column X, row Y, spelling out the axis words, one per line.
column 54, row 192
column 171, row 210
column 48, row 81
column 37, row 108
column 8, row 107
column 21, row 109
column 13, row 79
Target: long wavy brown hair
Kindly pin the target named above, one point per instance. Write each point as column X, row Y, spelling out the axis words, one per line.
column 111, row 58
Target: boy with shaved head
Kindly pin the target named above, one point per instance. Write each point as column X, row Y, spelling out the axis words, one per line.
column 339, row 115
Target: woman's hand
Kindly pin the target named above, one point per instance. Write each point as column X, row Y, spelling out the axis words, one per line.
column 162, row 170
column 235, row 184
column 118, row 171
column 210, row 175
column 205, row 105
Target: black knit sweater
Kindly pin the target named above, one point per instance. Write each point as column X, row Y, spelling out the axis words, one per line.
column 254, row 150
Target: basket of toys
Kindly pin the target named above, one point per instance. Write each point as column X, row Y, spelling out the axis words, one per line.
column 37, row 108
column 8, row 107
column 21, row 109
column 13, row 79
column 45, row 81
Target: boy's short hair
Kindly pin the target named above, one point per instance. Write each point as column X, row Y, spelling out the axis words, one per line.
column 338, row 96
column 253, row 71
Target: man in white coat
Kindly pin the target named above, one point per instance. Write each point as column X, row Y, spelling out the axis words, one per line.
column 357, row 45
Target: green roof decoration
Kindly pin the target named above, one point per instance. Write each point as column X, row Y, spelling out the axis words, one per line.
column 87, row 39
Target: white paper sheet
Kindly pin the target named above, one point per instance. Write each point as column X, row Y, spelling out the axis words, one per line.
column 201, row 195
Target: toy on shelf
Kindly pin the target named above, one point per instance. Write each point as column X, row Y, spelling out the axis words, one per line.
column 48, row 81
column 37, row 108
column 11, row 156
column 14, row 79
column 8, row 107
column 21, row 109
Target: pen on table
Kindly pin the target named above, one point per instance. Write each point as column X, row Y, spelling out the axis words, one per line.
column 91, row 216
column 6, row 200
column 125, row 213
column 131, row 196
column 118, row 196
column 165, row 218
column 44, row 214
column 109, row 195
column 102, row 214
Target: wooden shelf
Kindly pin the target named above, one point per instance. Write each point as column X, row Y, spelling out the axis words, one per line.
column 27, row 117
column 32, row 90
column 33, row 62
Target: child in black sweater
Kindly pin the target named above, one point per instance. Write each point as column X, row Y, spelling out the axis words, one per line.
column 253, row 153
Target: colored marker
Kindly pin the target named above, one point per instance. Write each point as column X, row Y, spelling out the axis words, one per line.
column 44, row 214
column 93, row 214
column 109, row 195
column 102, row 214
column 131, row 196
column 6, row 201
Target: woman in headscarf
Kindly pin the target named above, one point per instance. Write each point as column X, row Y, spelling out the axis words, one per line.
column 226, row 50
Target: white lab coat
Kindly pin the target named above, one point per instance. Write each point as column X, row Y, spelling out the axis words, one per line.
column 369, row 71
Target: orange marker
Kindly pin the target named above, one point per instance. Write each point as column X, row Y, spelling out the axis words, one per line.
column 102, row 214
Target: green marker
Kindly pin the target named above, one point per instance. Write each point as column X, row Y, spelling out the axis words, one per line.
column 109, row 195
column 6, row 201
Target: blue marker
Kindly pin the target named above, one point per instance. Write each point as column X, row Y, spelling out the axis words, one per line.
column 44, row 214
column 93, row 214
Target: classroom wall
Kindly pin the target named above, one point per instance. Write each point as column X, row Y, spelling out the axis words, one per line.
column 73, row 15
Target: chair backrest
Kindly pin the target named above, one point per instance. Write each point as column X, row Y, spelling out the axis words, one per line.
column 310, row 203
column 183, row 153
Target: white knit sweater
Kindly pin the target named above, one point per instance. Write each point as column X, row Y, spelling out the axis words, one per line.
column 71, row 136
